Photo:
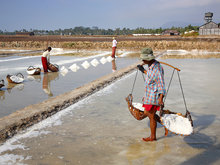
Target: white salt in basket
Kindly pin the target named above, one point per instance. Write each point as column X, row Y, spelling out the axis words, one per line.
column 138, row 106
column 177, row 124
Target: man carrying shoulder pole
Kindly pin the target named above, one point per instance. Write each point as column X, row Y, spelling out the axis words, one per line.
column 154, row 90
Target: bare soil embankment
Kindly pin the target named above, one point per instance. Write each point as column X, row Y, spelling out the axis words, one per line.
column 21, row 119
column 158, row 43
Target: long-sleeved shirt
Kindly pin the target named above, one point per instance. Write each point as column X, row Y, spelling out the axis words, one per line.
column 47, row 55
column 155, row 84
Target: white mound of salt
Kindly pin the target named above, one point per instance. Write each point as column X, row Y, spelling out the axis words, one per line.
column 138, row 106
column 109, row 58
column 85, row 65
column 74, row 67
column 63, row 70
column 103, row 60
column 94, row 62
column 177, row 124
column 16, row 79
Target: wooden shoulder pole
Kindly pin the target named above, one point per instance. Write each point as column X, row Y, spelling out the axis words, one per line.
column 169, row 65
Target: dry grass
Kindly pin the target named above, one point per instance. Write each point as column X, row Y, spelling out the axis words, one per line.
column 128, row 45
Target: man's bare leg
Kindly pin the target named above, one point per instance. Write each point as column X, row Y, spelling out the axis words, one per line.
column 153, row 125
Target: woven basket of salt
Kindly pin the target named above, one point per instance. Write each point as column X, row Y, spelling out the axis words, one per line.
column 53, row 67
column 17, row 79
column 33, row 70
column 136, row 109
column 177, row 123
column 2, row 83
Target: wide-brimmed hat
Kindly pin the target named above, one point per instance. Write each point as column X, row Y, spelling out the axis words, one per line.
column 147, row 54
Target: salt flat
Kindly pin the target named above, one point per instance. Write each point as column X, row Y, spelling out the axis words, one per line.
column 100, row 129
column 38, row 88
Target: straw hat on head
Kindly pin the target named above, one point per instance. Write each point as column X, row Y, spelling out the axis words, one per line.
column 147, row 54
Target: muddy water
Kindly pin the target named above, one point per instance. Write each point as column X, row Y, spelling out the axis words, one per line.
column 37, row 88
column 100, row 129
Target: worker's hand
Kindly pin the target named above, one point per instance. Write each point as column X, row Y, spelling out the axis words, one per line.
column 160, row 100
column 141, row 68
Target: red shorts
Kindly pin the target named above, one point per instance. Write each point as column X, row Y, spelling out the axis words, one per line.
column 148, row 107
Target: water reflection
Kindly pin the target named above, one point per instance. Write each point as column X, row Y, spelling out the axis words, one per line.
column 48, row 77
column 10, row 86
column 114, row 67
column 2, row 94
column 146, row 152
column 34, row 78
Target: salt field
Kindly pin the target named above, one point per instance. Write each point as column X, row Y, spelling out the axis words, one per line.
column 100, row 130
column 37, row 88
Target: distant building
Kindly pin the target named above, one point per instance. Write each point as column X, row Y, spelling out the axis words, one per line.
column 171, row 32
column 25, row 33
column 210, row 27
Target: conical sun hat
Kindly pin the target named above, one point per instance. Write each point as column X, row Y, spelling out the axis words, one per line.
column 147, row 54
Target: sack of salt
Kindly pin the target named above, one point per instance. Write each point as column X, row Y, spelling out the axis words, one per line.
column 177, row 124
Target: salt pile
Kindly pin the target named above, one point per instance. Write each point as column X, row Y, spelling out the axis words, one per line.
column 16, row 79
column 138, row 106
column 74, row 67
column 103, row 60
column 63, row 70
column 94, row 62
column 85, row 65
column 177, row 124
column 109, row 59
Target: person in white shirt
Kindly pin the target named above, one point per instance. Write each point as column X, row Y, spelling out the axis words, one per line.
column 45, row 58
column 114, row 46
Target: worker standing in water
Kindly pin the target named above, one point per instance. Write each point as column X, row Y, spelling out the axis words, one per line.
column 154, row 90
column 114, row 46
column 45, row 58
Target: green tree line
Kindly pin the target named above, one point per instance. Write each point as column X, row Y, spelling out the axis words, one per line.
column 80, row 30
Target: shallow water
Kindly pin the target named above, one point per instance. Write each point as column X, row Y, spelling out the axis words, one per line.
column 100, row 129
column 37, row 88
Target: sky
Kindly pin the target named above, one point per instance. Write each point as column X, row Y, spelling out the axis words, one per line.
column 107, row 14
